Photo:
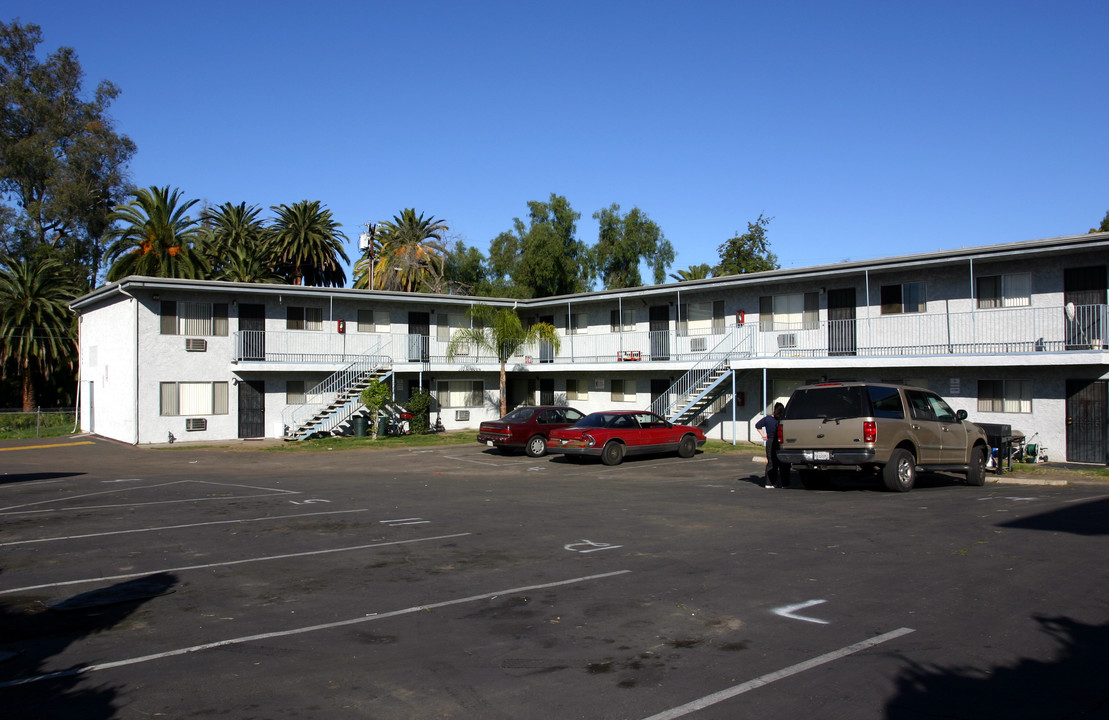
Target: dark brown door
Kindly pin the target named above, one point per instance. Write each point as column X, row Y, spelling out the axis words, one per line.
column 1087, row 413
column 1084, row 307
column 841, row 321
column 252, row 331
column 419, row 336
column 252, row 408
column 660, row 332
column 546, row 391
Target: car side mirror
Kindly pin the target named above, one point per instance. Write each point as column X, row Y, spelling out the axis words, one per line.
column 961, row 414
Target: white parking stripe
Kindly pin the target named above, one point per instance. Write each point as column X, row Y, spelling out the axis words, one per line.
column 369, row 617
column 177, row 527
column 228, row 563
column 778, row 675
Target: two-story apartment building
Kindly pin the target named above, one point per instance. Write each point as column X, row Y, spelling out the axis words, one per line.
column 1012, row 333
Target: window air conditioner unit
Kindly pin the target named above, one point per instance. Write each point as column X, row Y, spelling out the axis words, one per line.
column 196, row 345
column 196, row 424
column 462, row 415
column 699, row 344
column 788, row 340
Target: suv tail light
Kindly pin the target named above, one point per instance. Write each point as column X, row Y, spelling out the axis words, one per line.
column 781, row 435
column 870, row 431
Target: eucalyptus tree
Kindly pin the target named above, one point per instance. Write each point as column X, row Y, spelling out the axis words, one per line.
column 36, row 324
column 411, row 256
column 307, row 245
column 626, row 240
column 543, row 257
column 156, row 237
column 501, row 333
column 747, row 253
column 62, row 164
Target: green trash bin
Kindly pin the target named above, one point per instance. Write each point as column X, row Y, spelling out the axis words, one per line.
column 382, row 425
column 360, row 425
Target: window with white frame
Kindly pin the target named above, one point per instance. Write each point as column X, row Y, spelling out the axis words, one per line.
column 998, row 291
column 1010, row 396
column 794, row 311
column 623, row 390
column 460, row 393
column 193, row 318
column 373, row 321
column 447, row 323
column 192, row 398
column 622, row 321
column 575, row 323
column 903, row 298
column 294, row 392
column 701, row 318
column 577, row 389
column 303, row 318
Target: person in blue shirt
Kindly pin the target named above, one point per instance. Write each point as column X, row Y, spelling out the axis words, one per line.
column 777, row 474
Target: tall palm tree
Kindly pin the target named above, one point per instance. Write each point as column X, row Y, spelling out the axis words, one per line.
column 307, row 245
column 500, row 332
column 234, row 234
column 240, row 264
column 693, row 272
column 36, row 325
column 412, row 253
column 157, row 237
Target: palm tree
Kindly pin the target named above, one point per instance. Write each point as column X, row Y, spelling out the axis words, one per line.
column 411, row 255
column 307, row 245
column 500, row 332
column 233, row 234
column 694, row 272
column 240, row 264
column 36, row 325
column 157, row 237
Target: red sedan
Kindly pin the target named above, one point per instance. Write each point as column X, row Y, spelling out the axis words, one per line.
column 611, row 435
column 527, row 428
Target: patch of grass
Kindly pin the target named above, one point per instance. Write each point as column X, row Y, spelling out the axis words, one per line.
column 719, row 447
column 24, row 426
column 1087, row 473
column 453, row 437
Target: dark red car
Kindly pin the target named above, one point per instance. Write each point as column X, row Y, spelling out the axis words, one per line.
column 527, row 428
column 612, row 434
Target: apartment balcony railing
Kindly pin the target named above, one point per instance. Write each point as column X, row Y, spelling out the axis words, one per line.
column 984, row 332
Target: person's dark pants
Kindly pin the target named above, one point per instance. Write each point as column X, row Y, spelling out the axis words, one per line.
column 777, row 473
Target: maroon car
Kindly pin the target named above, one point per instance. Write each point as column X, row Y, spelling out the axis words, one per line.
column 527, row 428
column 612, row 434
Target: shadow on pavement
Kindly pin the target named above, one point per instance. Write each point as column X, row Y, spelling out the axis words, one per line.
column 32, row 631
column 1088, row 518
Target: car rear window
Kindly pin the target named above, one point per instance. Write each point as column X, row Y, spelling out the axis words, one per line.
column 828, row 402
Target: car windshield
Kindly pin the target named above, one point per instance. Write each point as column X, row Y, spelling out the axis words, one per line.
column 519, row 415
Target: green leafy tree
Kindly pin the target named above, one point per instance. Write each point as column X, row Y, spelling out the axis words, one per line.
column 420, row 404
column 544, row 257
column 236, row 244
column 156, row 238
column 693, row 272
column 36, row 325
column 411, row 256
column 62, row 164
column 464, row 271
column 374, row 398
column 626, row 240
column 1104, row 227
column 307, row 245
column 747, row 253
column 500, row 332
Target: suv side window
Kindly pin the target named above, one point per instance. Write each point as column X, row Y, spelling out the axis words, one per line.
column 886, row 402
column 919, row 405
column 942, row 410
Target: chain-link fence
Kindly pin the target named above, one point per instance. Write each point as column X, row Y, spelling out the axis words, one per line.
column 40, row 422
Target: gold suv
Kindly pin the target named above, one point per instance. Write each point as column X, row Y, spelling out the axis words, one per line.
column 896, row 430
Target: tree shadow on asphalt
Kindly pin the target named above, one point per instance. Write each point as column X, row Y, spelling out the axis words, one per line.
column 29, row 477
column 1072, row 685
column 1088, row 518
column 33, row 631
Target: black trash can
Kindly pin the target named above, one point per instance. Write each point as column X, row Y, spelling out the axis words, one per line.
column 360, row 424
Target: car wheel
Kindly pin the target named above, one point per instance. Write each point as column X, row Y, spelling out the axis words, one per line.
column 976, row 471
column 899, row 474
column 814, row 479
column 613, row 453
column 536, row 447
column 687, row 448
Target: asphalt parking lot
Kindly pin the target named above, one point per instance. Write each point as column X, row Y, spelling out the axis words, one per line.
column 454, row 582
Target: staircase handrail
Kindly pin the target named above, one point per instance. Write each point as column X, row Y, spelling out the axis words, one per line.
column 327, row 391
column 719, row 356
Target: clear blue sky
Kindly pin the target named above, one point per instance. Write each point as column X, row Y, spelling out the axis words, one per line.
column 865, row 129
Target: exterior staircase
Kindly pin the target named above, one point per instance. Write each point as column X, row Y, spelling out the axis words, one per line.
column 335, row 400
column 686, row 400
